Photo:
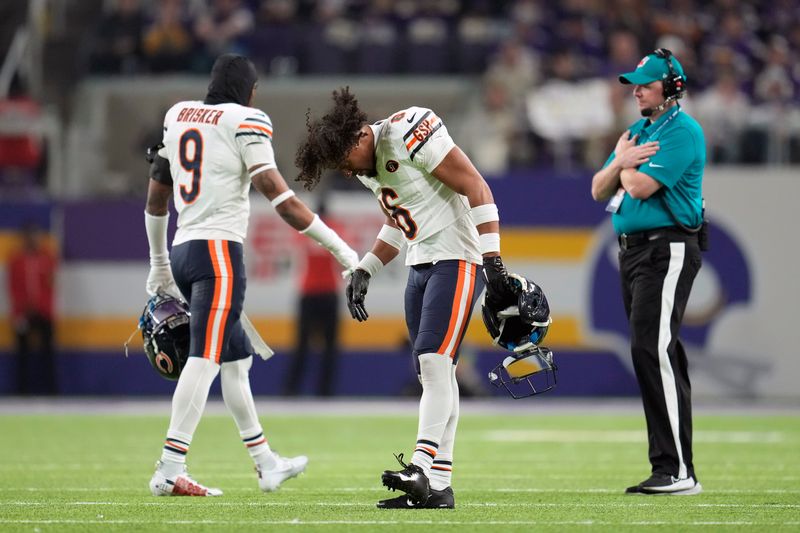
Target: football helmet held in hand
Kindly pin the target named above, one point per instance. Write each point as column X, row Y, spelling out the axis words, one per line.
column 519, row 322
column 165, row 332
column 520, row 317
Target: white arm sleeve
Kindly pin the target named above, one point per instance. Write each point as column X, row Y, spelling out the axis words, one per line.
column 325, row 236
column 156, row 228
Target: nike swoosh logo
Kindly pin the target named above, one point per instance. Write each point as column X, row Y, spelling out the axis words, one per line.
column 655, row 165
column 404, row 477
column 409, row 502
column 410, row 120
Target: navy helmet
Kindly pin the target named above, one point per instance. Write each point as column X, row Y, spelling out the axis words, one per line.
column 165, row 331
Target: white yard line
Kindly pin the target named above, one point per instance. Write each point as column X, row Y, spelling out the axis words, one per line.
column 207, row 503
column 395, row 522
column 628, row 436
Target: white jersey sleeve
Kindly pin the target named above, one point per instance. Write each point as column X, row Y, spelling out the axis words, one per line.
column 254, row 138
column 427, row 140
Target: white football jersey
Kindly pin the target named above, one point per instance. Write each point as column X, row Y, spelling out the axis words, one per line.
column 210, row 148
column 435, row 219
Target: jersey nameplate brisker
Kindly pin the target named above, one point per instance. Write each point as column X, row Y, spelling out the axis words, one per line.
column 202, row 177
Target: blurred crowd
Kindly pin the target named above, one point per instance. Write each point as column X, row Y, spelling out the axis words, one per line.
column 741, row 58
column 751, row 39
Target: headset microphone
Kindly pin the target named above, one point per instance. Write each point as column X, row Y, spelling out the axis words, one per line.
column 659, row 108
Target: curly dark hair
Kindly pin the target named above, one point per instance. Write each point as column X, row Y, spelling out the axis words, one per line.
column 329, row 139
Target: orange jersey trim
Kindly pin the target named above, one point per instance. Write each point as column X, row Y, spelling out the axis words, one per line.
column 262, row 128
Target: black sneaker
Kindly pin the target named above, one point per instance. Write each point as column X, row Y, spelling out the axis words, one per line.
column 411, row 480
column 437, row 499
column 666, row 484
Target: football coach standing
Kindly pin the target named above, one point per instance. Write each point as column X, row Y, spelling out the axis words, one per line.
column 652, row 184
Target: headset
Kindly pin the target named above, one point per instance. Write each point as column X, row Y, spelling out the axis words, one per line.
column 674, row 84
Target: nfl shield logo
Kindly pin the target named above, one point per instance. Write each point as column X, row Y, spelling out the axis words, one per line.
column 644, row 60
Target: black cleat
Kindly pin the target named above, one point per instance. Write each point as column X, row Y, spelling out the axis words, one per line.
column 411, row 480
column 666, row 484
column 437, row 499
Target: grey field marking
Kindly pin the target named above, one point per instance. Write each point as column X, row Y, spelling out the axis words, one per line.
column 382, row 406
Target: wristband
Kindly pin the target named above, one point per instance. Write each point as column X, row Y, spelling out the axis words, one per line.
column 489, row 242
column 370, row 264
column 282, row 197
column 391, row 236
column 484, row 213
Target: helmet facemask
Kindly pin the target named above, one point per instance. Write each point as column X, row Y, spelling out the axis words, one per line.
column 527, row 372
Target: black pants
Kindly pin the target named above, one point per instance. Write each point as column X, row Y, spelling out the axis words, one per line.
column 319, row 318
column 657, row 277
column 36, row 365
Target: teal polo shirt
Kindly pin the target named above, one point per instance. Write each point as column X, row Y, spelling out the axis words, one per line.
column 678, row 166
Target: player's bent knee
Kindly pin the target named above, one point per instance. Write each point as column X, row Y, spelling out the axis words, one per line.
column 434, row 367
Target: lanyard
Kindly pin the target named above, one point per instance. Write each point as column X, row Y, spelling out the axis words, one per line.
column 616, row 200
column 663, row 124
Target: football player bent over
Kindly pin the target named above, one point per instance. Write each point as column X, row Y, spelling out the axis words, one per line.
column 438, row 204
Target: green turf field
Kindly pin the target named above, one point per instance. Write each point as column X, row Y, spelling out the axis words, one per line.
column 512, row 473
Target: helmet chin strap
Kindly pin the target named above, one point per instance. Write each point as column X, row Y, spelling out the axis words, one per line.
column 127, row 342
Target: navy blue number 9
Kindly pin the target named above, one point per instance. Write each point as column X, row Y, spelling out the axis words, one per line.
column 193, row 165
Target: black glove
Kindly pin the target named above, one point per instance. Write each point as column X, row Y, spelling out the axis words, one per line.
column 499, row 290
column 152, row 151
column 356, row 290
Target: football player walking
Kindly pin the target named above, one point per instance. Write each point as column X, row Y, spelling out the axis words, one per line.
column 212, row 151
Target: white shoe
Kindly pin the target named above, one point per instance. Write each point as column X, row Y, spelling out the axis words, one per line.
column 697, row 489
column 285, row 468
column 666, row 484
column 180, row 484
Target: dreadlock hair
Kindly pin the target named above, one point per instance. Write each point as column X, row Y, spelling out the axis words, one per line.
column 330, row 139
